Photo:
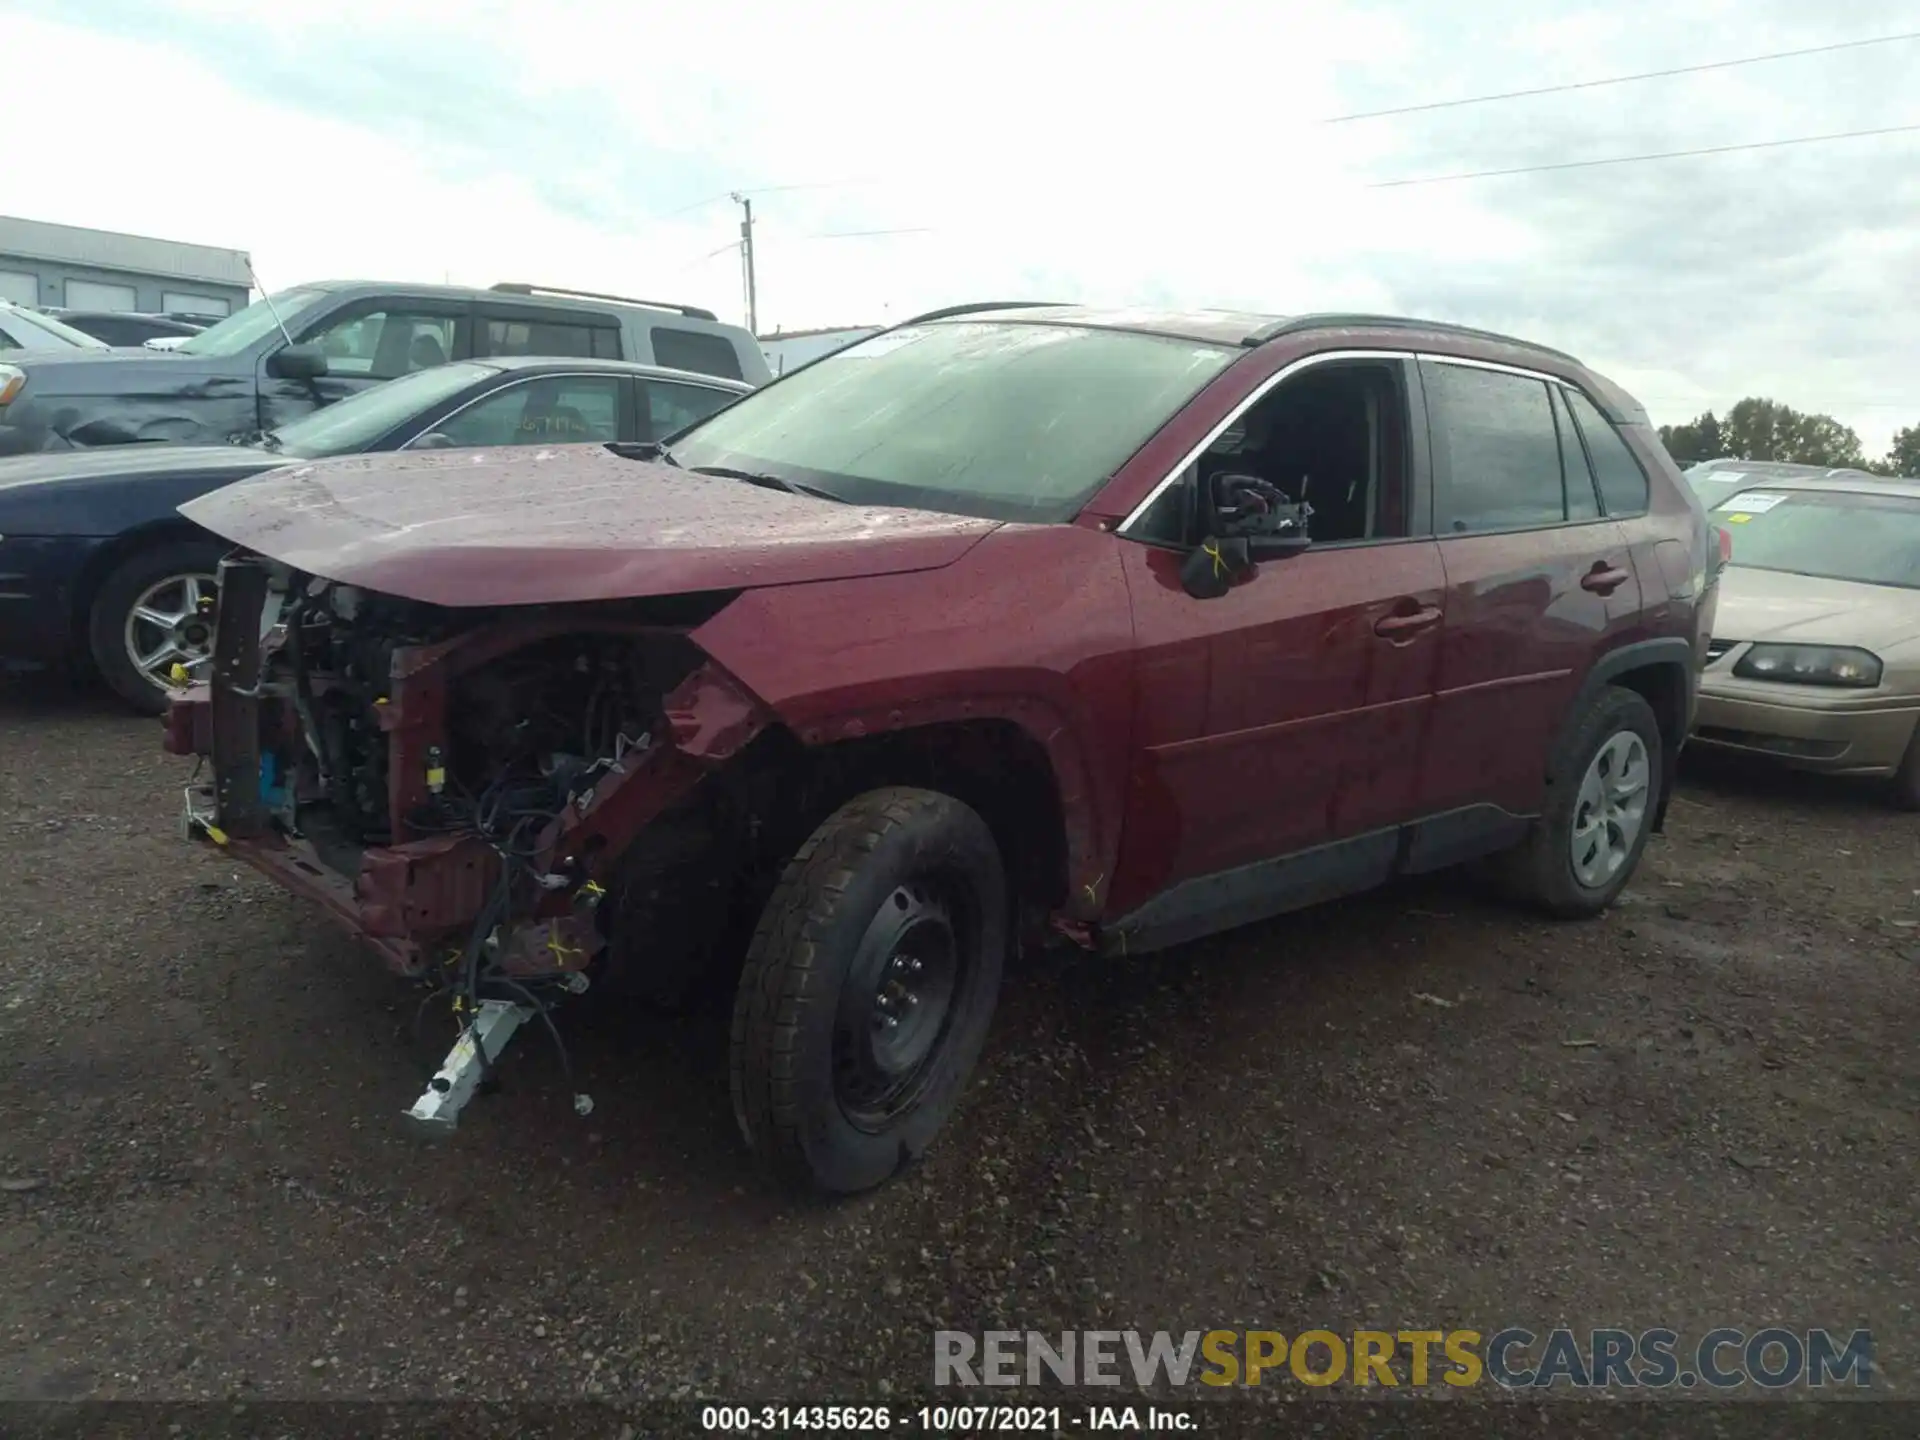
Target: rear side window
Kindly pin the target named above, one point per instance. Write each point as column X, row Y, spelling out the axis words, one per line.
column 536, row 337
column 697, row 351
column 670, row 408
column 1623, row 484
column 1496, row 452
column 1581, row 501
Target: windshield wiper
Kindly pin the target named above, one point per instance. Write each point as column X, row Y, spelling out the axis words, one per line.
column 768, row 482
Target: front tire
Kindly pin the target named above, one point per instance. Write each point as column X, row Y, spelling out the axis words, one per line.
column 868, row 989
column 1603, row 790
column 145, row 618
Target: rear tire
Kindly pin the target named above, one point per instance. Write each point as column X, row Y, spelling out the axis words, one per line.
column 1603, row 790
column 868, row 989
column 155, row 578
column 1906, row 780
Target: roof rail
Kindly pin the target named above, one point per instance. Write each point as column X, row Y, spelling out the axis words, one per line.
column 1293, row 324
column 692, row 312
column 950, row 311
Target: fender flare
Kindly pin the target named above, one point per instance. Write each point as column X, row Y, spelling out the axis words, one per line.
column 1092, row 834
column 1668, row 652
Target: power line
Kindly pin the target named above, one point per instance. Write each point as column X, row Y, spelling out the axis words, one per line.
column 1621, row 79
column 1637, row 159
column 757, row 190
column 855, row 234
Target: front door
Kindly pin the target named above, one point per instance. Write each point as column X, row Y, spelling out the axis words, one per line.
column 1287, row 714
column 1536, row 579
column 366, row 342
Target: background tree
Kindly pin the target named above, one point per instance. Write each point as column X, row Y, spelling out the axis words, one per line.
column 1698, row 439
column 1904, row 457
column 1757, row 429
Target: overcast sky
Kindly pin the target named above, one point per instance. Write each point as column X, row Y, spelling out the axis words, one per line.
column 1064, row 149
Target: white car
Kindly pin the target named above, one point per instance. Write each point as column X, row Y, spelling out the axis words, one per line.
column 24, row 329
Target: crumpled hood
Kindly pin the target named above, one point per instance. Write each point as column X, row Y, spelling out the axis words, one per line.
column 561, row 524
column 1809, row 610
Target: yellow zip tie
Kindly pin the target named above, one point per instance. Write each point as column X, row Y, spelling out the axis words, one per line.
column 214, row 832
column 1213, row 550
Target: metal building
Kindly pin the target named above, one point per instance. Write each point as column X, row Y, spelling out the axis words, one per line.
column 64, row 266
column 785, row 349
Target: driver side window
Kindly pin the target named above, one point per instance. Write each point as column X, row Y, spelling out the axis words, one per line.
column 383, row 344
column 1333, row 436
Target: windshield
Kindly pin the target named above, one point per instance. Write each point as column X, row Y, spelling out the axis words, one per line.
column 348, row 426
column 31, row 330
column 997, row 419
column 1835, row 534
column 241, row 330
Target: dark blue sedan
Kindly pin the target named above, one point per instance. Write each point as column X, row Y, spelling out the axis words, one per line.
column 97, row 568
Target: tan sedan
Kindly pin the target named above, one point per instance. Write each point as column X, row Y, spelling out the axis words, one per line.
column 1815, row 658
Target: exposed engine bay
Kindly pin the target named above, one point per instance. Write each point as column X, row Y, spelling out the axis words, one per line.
column 455, row 784
column 524, row 735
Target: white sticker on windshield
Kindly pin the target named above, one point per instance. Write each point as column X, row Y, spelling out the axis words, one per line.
column 881, row 344
column 1754, row 502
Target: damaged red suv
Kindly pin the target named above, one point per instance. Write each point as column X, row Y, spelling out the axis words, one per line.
column 1009, row 622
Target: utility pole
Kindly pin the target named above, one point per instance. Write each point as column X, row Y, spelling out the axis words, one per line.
column 746, row 261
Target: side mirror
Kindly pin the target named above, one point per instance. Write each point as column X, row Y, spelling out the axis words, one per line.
column 298, row 362
column 1212, row 568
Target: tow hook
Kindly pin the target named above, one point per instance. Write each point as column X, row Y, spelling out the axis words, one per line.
column 437, row 1111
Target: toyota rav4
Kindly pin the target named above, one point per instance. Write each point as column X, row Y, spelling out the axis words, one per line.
column 1011, row 622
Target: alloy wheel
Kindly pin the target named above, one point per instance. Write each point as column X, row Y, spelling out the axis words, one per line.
column 1609, row 809
column 170, row 624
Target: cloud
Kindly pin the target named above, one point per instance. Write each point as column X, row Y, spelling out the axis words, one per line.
column 1169, row 155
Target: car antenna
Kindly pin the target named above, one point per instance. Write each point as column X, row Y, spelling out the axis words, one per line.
column 271, row 308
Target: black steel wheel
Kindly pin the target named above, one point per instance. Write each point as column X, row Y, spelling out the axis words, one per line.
column 868, row 989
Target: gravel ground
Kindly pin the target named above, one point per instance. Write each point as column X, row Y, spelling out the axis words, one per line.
column 1412, row 1109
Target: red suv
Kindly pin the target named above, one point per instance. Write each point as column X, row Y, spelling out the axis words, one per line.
column 1007, row 622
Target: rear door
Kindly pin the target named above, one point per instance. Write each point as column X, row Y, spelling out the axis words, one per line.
column 1537, row 582
column 509, row 329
